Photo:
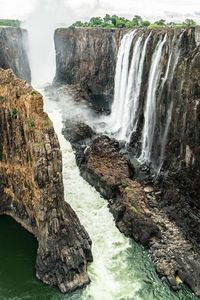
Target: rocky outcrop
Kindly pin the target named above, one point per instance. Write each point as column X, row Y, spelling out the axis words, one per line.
column 138, row 208
column 13, row 54
column 31, row 186
column 173, row 197
column 87, row 58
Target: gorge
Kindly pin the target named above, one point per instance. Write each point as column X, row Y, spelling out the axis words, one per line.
column 86, row 58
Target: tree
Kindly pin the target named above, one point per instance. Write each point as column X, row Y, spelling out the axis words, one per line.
column 129, row 24
column 114, row 19
column 96, row 21
column 137, row 21
column 120, row 23
column 145, row 24
column 107, row 19
column 190, row 22
column 161, row 22
column 77, row 24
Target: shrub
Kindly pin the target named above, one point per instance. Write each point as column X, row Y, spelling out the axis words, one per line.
column 13, row 113
column 33, row 92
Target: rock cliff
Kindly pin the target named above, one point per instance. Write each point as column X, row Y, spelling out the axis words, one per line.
column 31, row 186
column 87, row 57
column 174, row 202
column 13, row 54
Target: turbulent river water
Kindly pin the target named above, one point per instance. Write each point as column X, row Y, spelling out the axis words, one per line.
column 121, row 269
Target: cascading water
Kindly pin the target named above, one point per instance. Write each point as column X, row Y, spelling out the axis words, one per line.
column 128, row 101
column 150, row 106
column 123, row 119
column 172, row 62
column 121, row 80
column 121, row 268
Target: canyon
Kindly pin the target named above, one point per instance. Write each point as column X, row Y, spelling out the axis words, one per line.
column 159, row 209
column 31, row 186
column 169, row 152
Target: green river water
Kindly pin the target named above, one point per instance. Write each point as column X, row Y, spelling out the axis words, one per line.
column 121, row 269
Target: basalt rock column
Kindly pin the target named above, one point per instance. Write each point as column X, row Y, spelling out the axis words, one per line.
column 13, row 51
column 31, row 186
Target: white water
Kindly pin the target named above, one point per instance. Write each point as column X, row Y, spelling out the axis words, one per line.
column 171, row 63
column 121, row 80
column 150, row 106
column 121, row 269
column 124, row 113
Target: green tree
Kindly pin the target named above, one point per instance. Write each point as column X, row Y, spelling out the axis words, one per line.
column 8, row 22
column 77, row 24
column 161, row 22
column 107, row 19
column 120, row 23
column 190, row 22
column 137, row 21
column 96, row 21
column 145, row 24
column 129, row 24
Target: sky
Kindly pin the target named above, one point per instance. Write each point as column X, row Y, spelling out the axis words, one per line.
column 41, row 17
column 69, row 11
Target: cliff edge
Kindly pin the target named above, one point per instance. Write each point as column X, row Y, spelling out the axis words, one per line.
column 31, row 186
column 13, row 54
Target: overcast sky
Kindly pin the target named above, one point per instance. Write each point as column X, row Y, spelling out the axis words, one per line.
column 68, row 11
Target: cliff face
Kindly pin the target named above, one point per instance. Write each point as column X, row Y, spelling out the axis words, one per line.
column 175, row 124
column 31, row 186
column 13, row 53
column 87, row 57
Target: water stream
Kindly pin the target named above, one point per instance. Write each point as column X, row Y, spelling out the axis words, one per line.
column 121, row 269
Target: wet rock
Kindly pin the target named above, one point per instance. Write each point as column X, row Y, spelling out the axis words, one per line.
column 76, row 131
column 13, row 54
column 111, row 173
column 31, row 186
column 148, row 189
column 87, row 57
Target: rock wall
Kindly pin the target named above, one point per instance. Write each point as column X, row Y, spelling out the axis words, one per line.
column 174, row 206
column 31, row 186
column 87, row 57
column 13, row 54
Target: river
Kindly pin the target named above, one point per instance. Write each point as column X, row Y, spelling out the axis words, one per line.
column 121, row 269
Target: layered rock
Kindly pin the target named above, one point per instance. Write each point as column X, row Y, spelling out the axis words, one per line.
column 87, row 58
column 174, row 207
column 31, row 186
column 13, row 51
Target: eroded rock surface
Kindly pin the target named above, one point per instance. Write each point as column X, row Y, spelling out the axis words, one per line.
column 31, row 186
column 13, row 51
column 87, row 58
column 140, row 211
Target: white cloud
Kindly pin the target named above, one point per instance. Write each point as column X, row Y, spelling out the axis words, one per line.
column 84, row 9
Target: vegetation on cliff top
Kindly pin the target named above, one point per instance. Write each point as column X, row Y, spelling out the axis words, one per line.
column 7, row 22
column 121, row 22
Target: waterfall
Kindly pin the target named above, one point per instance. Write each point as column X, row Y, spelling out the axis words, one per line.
column 121, row 80
column 124, row 113
column 173, row 64
column 158, row 103
column 150, row 107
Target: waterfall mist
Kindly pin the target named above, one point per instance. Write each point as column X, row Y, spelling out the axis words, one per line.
column 41, row 24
